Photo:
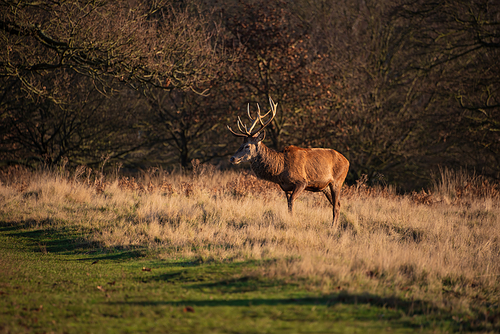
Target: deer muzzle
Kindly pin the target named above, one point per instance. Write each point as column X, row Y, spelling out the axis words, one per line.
column 234, row 160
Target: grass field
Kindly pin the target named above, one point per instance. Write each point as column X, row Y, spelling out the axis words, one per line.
column 217, row 252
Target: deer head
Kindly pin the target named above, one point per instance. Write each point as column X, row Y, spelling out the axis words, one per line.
column 252, row 137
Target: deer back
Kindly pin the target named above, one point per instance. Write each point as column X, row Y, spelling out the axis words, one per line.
column 316, row 166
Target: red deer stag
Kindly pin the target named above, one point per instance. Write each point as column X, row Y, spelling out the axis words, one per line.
column 294, row 169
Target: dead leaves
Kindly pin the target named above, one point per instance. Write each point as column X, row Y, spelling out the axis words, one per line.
column 100, row 288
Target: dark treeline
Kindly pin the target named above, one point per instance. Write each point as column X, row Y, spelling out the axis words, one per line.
column 399, row 87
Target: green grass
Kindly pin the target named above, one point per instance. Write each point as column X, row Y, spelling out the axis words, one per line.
column 51, row 281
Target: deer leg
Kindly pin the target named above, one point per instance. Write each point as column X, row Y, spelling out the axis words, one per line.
column 299, row 188
column 335, row 194
column 328, row 194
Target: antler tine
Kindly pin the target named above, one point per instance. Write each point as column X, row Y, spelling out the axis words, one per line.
column 255, row 121
column 262, row 116
column 248, row 132
column 273, row 107
column 248, row 111
column 236, row 134
column 273, row 110
column 259, row 117
column 241, row 126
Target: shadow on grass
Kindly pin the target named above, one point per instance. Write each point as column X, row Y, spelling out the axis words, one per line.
column 43, row 236
column 46, row 238
column 204, row 276
column 411, row 314
column 116, row 254
column 230, row 285
column 328, row 300
column 387, row 309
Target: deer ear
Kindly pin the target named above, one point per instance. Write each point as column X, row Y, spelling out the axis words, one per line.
column 261, row 136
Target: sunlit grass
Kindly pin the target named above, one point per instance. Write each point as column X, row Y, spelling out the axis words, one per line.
column 418, row 246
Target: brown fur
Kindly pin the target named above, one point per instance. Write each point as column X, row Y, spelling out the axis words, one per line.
column 297, row 169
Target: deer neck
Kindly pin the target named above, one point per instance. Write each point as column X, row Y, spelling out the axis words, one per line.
column 268, row 164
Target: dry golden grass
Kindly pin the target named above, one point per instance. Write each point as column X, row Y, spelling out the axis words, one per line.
column 442, row 246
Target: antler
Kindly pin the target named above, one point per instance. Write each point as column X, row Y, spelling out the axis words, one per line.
column 247, row 132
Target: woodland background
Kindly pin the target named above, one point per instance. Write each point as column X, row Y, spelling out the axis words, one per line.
column 401, row 88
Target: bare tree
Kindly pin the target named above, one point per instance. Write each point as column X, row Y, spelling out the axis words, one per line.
column 131, row 41
column 56, row 56
column 457, row 46
column 275, row 58
column 183, row 126
column 85, row 128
